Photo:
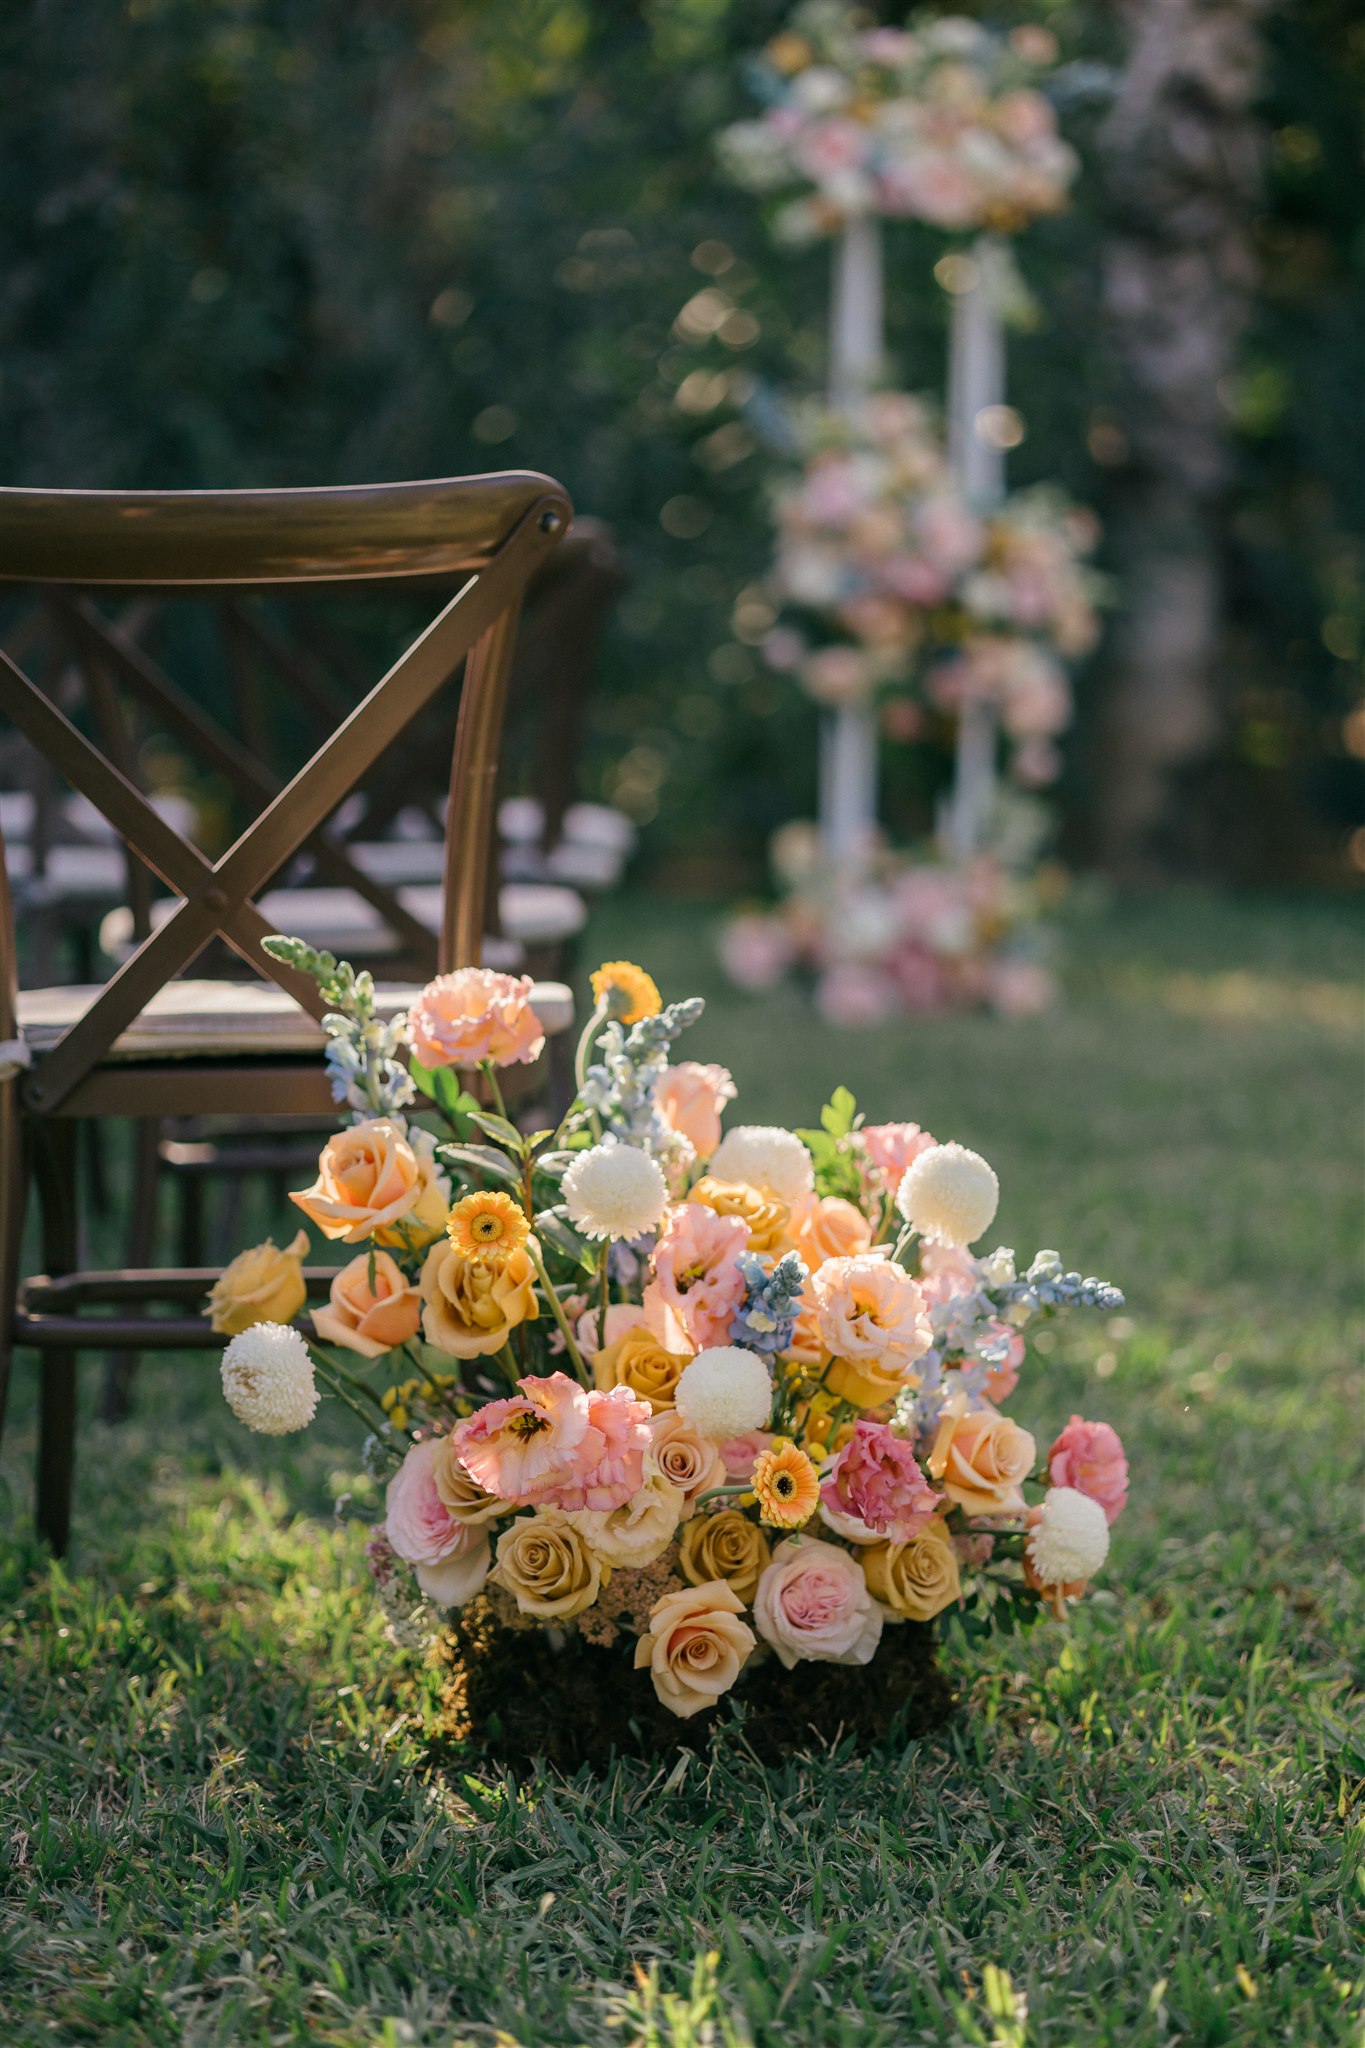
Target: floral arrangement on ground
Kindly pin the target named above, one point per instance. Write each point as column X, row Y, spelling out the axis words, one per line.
column 665, row 1415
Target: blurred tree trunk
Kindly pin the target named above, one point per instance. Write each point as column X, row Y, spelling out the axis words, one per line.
column 1181, row 153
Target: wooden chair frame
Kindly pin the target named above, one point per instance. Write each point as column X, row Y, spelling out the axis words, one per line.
column 484, row 534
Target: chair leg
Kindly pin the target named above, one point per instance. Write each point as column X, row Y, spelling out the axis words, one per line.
column 120, row 1368
column 55, row 1172
column 13, row 1204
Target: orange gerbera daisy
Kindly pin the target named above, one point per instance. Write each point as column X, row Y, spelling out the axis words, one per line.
column 786, row 1485
column 629, row 992
column 487, row 1225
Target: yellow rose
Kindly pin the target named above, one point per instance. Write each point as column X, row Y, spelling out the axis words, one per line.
column 262, row 1285
column 546, row 1564
column 866, row 1386
column 372, row 1183
column 766, row 1216
column 463, row 1499
column 916, row 1580
column 725, row 1546
column 473, row 1305
column 639, row 1361
column 695, row 1646
column 982, row 1459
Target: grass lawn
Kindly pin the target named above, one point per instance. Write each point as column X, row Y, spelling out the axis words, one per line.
column 215, row 1824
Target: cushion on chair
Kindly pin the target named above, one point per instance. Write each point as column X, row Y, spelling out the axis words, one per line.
column 226, row 1019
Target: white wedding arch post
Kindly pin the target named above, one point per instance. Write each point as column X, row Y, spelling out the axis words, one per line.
column 848, row 738
column 976, row 384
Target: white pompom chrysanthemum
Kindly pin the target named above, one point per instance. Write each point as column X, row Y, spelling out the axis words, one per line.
column 764, row 1156
column 614, row 1191
column 949, row 1194
column 1071, row 1538
column 268, row 1379
column 725, row 1392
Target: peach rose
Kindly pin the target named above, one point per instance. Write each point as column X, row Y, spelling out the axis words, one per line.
column 827, row 1227
column 688, row 1461
column 724, row 1546
column 1089, row 1457
column 365, row 1318
column 872, row 1320
column 690, row 1098
column 695, row 1646
column 262, row 1285
column 472, row 1015
column 813, row 1603
column 764, row 1215
column 546, row 1564
column 471, row 1306
column 371, row 1183
column 982, row 1459
column 639, row 1361
column 918, row 1579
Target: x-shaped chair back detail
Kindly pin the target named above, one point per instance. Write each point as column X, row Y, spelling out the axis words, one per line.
column 491, row 531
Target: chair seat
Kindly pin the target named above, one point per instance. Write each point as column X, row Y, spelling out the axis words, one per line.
column 227, row 1019
column 71, row 874
column 341, row 922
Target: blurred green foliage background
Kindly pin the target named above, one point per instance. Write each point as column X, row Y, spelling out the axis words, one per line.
column 289, row 241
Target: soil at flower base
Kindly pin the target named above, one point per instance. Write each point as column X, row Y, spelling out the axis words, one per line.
column 526, row 1701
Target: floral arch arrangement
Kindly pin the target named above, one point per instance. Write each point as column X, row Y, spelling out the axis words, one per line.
column 941, row 122
column 665, row 1415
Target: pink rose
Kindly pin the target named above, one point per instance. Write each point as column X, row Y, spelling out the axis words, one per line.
column 449, row 1557
column 690, row 1098
column 813, row 1603
column 475, row 1014
column 1089, row 1457
column 876, row 1478
column 695, row 1286
column 738, row 1453
column 891, row 1148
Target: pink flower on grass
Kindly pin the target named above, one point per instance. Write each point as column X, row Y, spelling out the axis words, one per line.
column 695, row 1286
column 876, row 1478
column 475, row 1014
column 557, row 1445
column 1088, row 1456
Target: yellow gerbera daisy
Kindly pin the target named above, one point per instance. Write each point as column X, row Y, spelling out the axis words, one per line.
column 786, row 1485
column 487, row 1225
column 629, row 992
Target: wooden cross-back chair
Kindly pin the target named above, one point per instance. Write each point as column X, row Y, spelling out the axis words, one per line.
column 148, row 1044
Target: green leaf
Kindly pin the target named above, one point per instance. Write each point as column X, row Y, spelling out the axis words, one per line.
column 479, row 1159
column 838, row 1113
column 441, row 1085
column 500, row 1128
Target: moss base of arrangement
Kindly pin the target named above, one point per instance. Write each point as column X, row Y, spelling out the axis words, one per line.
column 523, row 1700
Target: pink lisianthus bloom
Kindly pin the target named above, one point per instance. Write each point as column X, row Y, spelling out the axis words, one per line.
column 891, row 1148
column 690, row 1098
column 695, row 1286
column 475, row 1014
column 876, row 1478
column 556, row 1444
column 1089, row 1457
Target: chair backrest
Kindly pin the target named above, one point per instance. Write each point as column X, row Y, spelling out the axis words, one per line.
column 481, row 536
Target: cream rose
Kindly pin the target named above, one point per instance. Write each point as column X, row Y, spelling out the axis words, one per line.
column 371, row 1183
column 690, row 1098
column 695, row 1646
column 639, row 1361
column 640, row 1530
column 473, row 1305
column 813, row 1603
column 685, row 1458
column 918, row 1579
column 982, row 1459
column 464, row 1500
column 725, row 1546
column 765, row 1216
column 367, row 1318
column 262, row 1285
column 546, row 1564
